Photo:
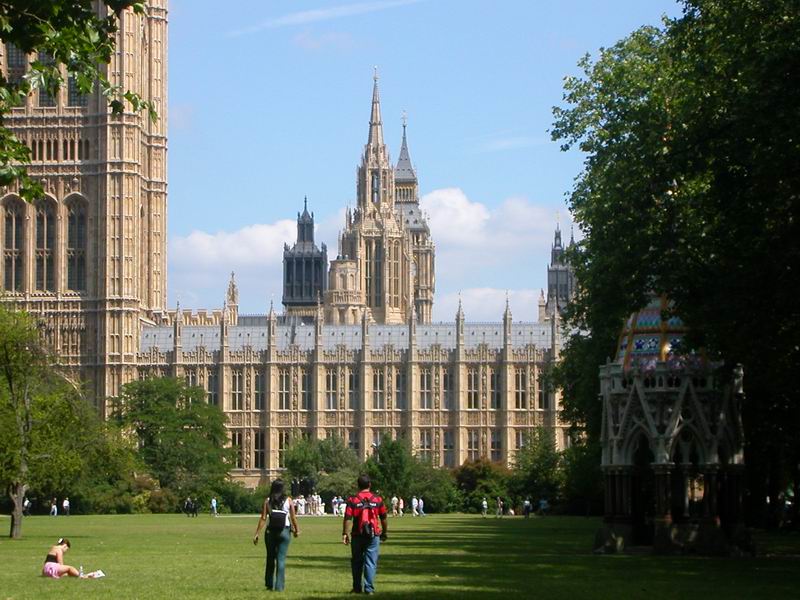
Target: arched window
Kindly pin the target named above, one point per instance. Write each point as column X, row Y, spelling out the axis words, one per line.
column 76, row 244
column 13, row 244
column 45, row 245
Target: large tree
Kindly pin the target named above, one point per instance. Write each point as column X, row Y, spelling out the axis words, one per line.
column 70, row 38
column 43, row 418
column 182, row 440
column 690, row 188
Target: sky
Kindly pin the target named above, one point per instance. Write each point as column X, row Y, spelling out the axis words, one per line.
column 269, row 102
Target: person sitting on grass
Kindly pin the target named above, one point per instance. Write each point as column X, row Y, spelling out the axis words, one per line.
column 54, row 562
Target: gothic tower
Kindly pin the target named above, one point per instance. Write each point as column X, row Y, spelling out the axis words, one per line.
column 386, row 241
column 305, row 269
column 90, row 256
column 560, row 277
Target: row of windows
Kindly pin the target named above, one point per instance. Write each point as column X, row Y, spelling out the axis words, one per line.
column 46, row 238
column 424, row 448
column 379, row 392
column 50, row 150
column 17, row 66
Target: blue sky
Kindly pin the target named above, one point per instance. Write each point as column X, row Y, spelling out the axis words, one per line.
column 269, row 102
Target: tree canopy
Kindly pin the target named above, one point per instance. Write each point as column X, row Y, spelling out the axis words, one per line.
column 690, row 188
column 70, row 38
column 182, row 439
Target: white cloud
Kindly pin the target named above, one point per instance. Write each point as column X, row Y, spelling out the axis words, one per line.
column 488, row 304
column 454, row 218
column 311, row 41
column 305, row 17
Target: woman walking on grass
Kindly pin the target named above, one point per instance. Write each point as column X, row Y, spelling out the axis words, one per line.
column 278, row 513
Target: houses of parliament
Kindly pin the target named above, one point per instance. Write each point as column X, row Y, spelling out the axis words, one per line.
column 353, row 352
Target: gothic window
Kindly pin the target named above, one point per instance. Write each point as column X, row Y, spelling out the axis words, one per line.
column 45, row 98
column 352, row 389
column 520, row 388
column 473, row 401
column 544, row 398
column 283, row 443
column 212, row 384
column 260, row 451
column 448, row 387
column 497, row 446
column 473, row 447
column 331, row 386
column 424, row 452
column 236, row 390
column 352, row 440
column 45, row 246
column 494, row 389
column 17, row 62
column 376, row 187
column 378, row 390
column 520, row 438
column 283, row 389
column 378, row 275
column 74, row 95
column 425, row 388
column 368, row 272
column 76, row 245
column 449, row 446
column 13, row 245
column 260, row 388
column 400, row 388
column 238, row 447
column 190, row 376
column 305, row 389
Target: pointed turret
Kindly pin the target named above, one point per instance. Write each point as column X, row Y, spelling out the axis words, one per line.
column 375, row 124
column 404, row 171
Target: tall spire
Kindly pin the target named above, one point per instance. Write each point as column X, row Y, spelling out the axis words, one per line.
column 375, row 123
column 404, row 171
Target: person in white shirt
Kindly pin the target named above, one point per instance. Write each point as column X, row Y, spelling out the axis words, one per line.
column 394, row 506
column 484, row 507
column 65, row 506
column 214, row 507
column 414, row 506
column 421, row 507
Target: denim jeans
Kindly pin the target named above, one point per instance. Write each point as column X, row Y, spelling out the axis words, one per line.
column 277, row 546
column 364, row 561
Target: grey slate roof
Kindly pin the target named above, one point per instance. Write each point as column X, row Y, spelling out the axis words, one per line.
column 404, row 170
column 411, row 216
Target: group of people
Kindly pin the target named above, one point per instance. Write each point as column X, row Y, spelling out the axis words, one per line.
column 313, row 505
column 363, row 529
column 26, row 507
column 192, row 505
column 527, row 508
column 399, row 506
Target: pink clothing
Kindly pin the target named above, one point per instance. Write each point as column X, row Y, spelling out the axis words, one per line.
column 51, row 569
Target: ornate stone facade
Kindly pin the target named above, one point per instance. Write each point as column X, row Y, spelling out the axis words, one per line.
column 90, row 258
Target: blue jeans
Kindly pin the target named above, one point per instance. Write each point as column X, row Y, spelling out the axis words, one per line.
column 277, row 546
column 364, row 562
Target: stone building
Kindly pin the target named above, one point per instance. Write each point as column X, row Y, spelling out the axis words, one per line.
column 90, row 256
column 354, row 353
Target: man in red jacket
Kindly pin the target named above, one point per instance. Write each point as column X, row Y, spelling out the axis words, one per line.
column 365, row 519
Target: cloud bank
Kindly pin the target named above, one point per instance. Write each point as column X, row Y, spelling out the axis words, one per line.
column 482, row 252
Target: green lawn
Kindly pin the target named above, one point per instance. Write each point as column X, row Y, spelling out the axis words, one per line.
column 436, row 557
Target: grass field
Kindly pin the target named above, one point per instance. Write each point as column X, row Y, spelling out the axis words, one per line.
column 431, row 558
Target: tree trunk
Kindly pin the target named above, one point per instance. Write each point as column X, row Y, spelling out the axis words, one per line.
column 17, row 494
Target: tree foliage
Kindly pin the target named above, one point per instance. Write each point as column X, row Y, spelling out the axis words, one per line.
column 44, row 422
column 479, row 479
column 537, row 468
column 75, row 41
column 390, row 467
column 181, row 439
column 690, row 188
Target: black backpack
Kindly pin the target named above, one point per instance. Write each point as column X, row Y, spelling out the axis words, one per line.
column 277, row 519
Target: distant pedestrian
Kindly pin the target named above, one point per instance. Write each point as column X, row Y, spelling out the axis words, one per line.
column 65, row 506
column 214, row 507
column 421, row 507
column 484, row 507
column 499, row 507
column 278, row 513
column 526, row 508
column 401, row 506
column 195, row 506
column 364, row 527
column 187, row 506
column 414, row 506
column 544, row 506
column 26, row 507
column 394, row 506
column 54, row 508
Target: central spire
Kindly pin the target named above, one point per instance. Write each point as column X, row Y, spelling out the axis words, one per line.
column 375, row 124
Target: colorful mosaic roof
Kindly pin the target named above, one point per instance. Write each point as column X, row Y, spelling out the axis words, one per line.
column 647, row 337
